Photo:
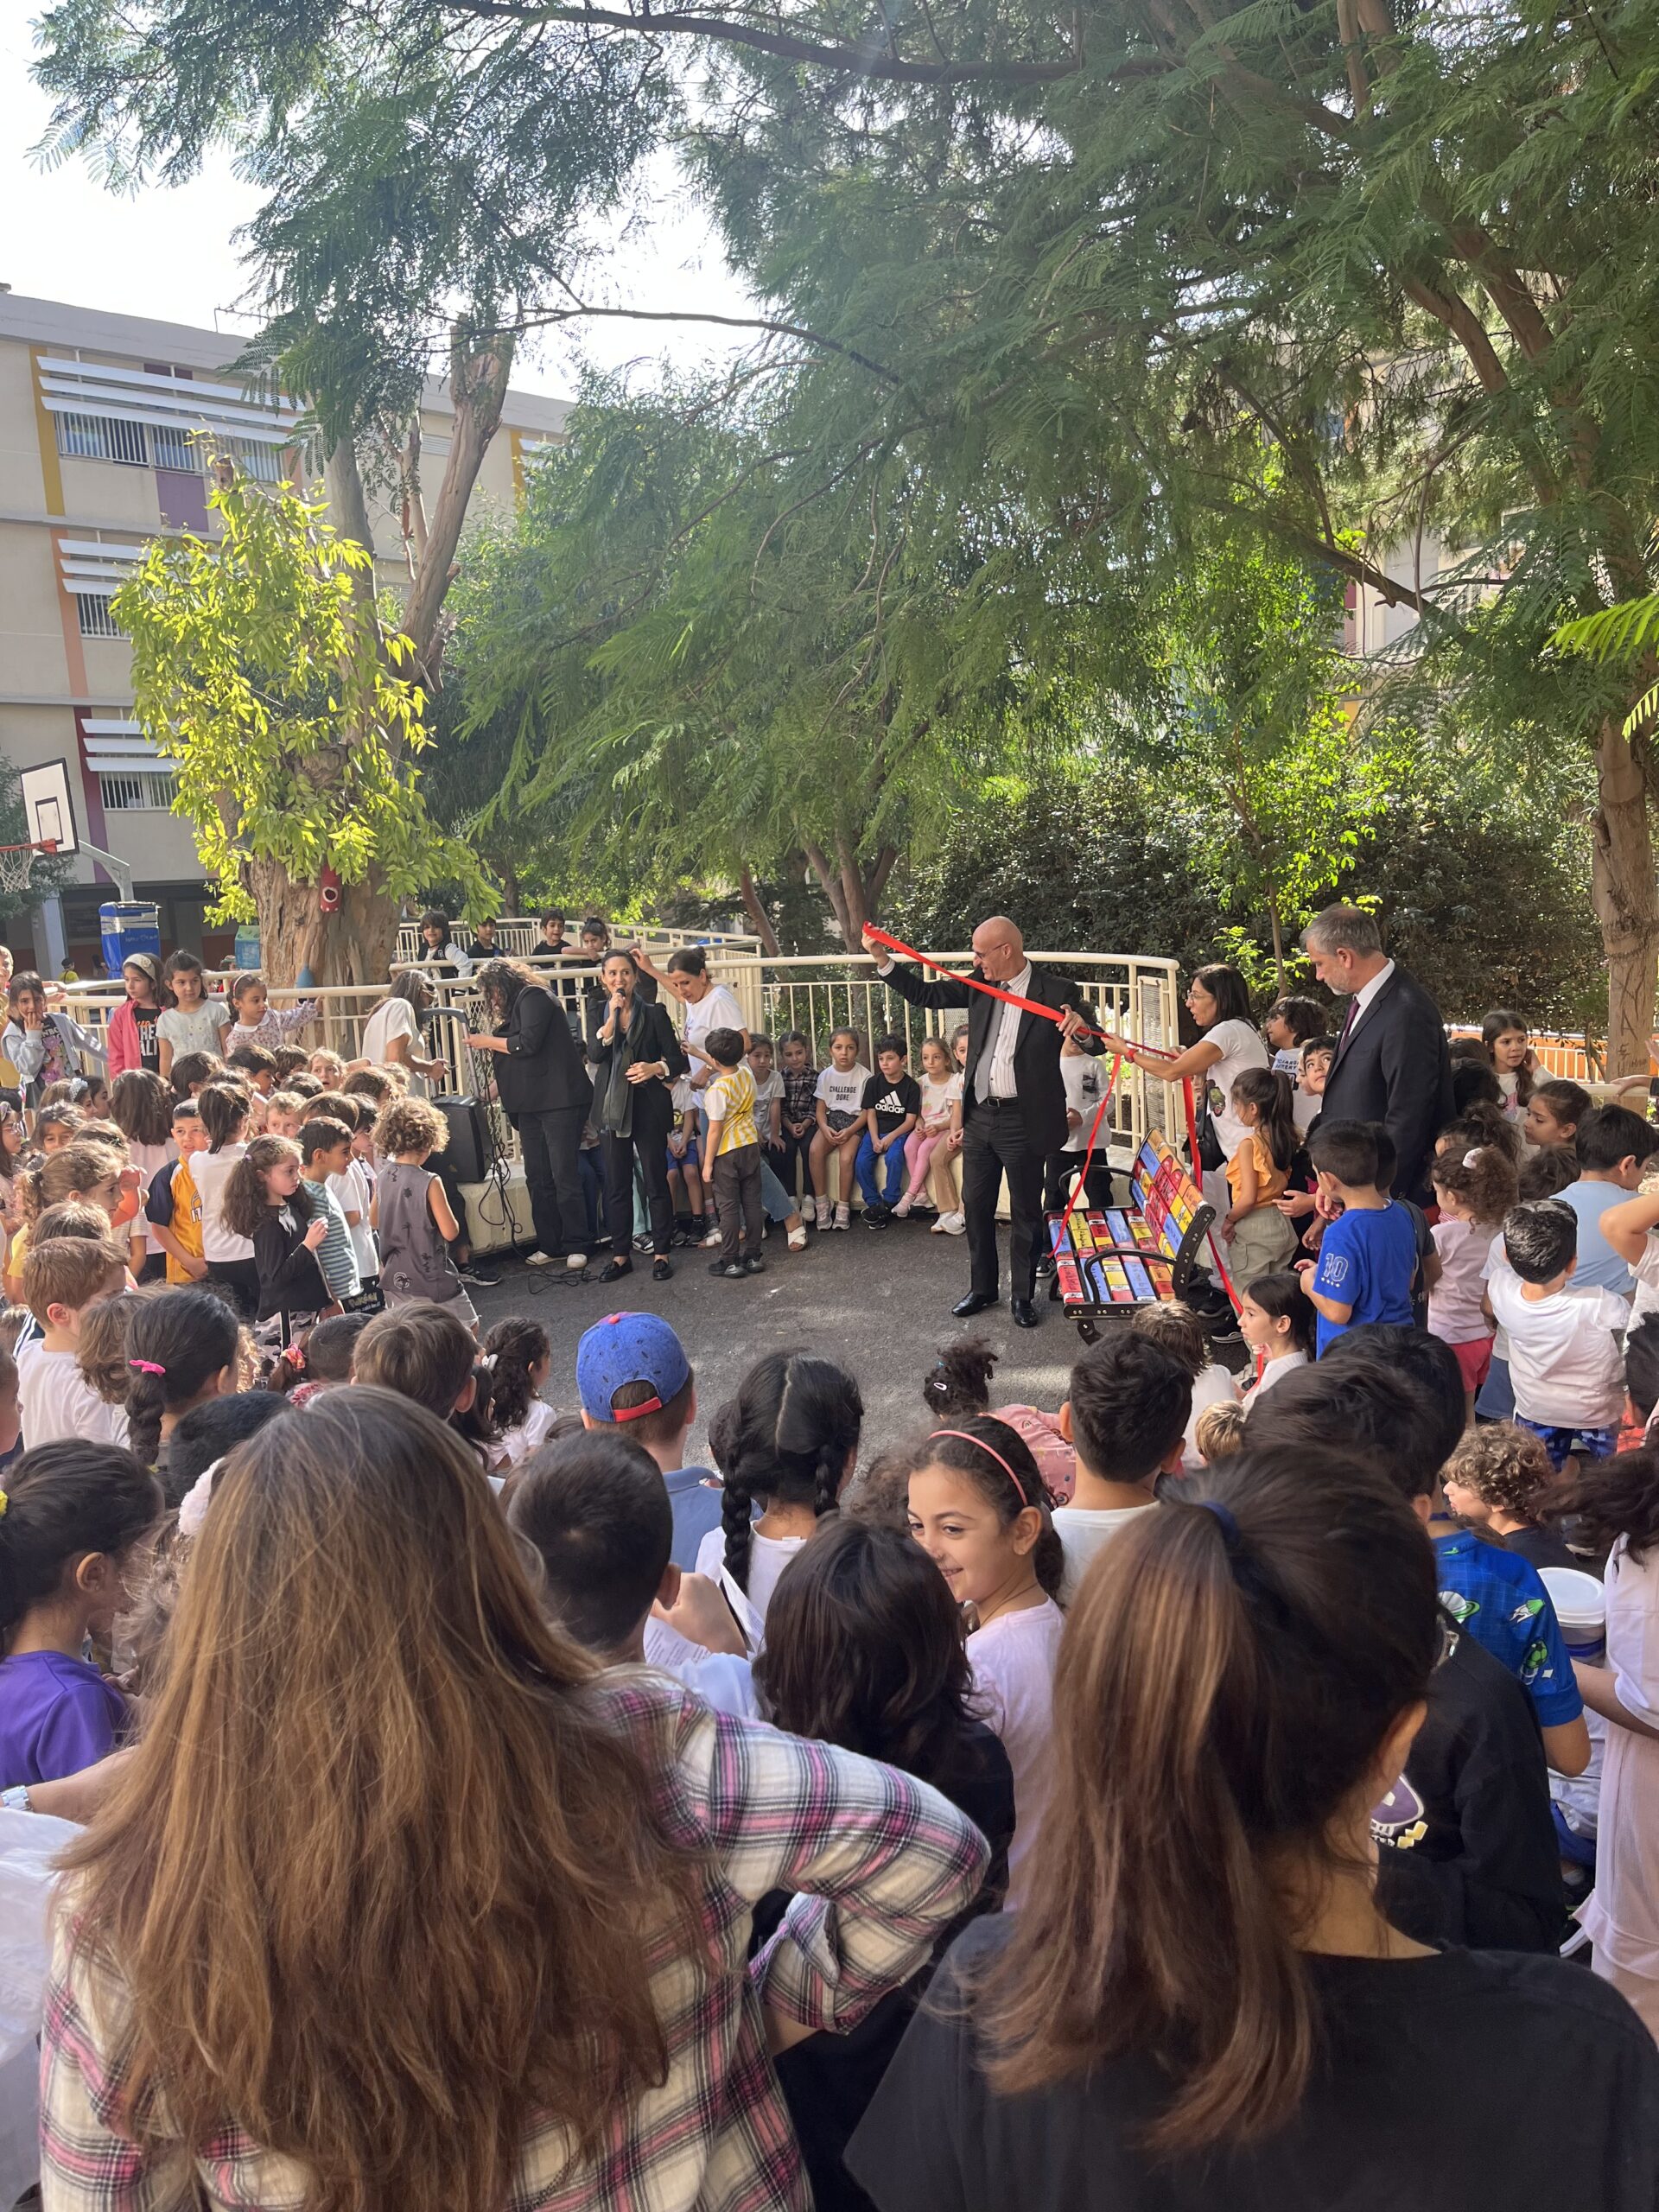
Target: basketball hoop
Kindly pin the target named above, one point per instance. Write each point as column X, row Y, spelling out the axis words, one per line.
column 17, row 864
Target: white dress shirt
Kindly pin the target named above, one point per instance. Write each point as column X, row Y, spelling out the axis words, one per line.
column 994, row 1078
column 1364, row 996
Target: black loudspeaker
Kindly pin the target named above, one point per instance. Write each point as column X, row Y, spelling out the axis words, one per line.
column 466, row 1151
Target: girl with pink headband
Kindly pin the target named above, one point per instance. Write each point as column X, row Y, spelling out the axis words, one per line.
column 977, row 1506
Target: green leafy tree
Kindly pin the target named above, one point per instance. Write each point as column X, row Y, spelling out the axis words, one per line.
column 279, row 692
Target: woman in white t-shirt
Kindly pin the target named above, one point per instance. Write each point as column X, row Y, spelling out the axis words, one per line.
column 787, row 1442
column 1218, row 1000
column 391, row 1035
column 709, row 1005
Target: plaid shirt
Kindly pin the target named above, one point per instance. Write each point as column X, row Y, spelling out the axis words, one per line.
column 885, row 1864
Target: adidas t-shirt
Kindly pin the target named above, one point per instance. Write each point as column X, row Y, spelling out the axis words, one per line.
column 891, row 1101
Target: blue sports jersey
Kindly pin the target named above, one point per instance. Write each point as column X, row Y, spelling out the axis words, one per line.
column 1367, row 1259
column 1496, row 1596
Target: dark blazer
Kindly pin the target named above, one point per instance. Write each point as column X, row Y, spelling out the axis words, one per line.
column 541, row 1071
column 290, row 1276
column 1396, row 1068
column 1036, row 1051
column 652, row 1101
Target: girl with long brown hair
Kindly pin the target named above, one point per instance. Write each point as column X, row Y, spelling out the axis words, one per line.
column 406, row 1904
column 1202, row 2005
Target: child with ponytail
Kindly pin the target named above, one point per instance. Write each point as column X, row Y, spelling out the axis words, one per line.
column 1257, row 1236
column 788, row 1439
column 181, row 1351
column 520, row 1354
column 1473, row 1190
column 72, row 1514
column 1204, row 1992
column 978, row 1508
column 266, row 1201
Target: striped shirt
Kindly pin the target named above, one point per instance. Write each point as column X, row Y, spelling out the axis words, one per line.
column 881, row 1864
column 336, row 1255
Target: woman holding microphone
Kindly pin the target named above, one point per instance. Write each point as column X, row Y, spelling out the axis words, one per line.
column 636, row 1059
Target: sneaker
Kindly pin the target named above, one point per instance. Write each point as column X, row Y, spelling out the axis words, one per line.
column 797, row 1240
column 643, row 1242
column 538, row 1259
column 902, row 1210
column 843, row 1216
column 754, row 1266
column 809, row 1210
column 878, row 1217
column 476, row 1277
column 940, row 1223
column 711, row 1242
column 728, row 1270
column 954, row 1224
column 576, row 1262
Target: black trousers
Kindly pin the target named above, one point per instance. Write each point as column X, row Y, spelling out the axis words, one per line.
column 551, row 1142
column 650, row 1143
column 995, row 1143
column 1061, row 1172
column 737, row 1192
column 782, row 1162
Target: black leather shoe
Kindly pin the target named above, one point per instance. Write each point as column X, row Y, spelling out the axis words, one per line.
column 660, row 1271
column 1024, row 1312
column 977, row 1301
column 616, row 1270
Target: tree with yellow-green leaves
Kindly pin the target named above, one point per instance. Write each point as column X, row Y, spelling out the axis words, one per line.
column 280, row 691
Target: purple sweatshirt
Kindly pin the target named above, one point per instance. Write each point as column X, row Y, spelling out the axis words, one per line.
column 57, row 1715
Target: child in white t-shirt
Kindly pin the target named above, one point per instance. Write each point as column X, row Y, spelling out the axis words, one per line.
column 1566, row 1361
column 840, row 1096
column 941, row 1089
column 977, row 1506
column 1125, row 1414
column 62, row 1278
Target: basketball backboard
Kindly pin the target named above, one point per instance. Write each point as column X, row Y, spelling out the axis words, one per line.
column 47, row 807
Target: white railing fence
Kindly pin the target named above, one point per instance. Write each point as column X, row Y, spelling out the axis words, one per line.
column 517, row 936
column 1136, row 996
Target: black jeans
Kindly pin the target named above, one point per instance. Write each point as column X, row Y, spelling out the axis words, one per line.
column 995, row 1143
column 650, row 1143
column 737, row 1191
column 782, row 1160
column 551, row 1142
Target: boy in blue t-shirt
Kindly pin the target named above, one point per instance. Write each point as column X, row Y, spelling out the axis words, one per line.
column 1367, row 1254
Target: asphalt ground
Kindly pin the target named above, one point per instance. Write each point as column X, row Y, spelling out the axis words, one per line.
column 878, row 1300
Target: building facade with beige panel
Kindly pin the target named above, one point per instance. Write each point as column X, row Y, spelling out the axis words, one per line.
column 96, row 458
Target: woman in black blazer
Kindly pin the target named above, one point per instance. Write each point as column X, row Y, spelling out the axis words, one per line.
column 638, row 1058
column 545, row 1092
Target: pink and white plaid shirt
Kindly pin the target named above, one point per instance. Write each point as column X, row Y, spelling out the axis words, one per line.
column 883, row 1863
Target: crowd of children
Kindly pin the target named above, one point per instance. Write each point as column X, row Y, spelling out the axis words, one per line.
column 1227, row 1761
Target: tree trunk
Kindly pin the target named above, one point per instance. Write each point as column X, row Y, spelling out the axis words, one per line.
column 1278, row 942
column 830, row 884
column 477, row 385
column 352, row 946
column 758, row 914
column 1621, row 893
column 343, row 481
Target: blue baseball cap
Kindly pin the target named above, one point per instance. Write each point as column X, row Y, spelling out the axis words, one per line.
column 627, row 1348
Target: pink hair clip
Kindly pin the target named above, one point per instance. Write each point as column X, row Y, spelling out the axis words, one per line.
column 147, row 1366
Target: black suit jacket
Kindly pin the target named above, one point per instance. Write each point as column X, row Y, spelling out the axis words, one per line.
column 541, row 1069
column 1396, row 1068
column 653, row 1102
column 1037, row 1048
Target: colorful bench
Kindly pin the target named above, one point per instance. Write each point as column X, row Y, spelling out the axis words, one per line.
column 1130, row 1255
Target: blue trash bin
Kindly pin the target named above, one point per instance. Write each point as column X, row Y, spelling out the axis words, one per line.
column 127, row 930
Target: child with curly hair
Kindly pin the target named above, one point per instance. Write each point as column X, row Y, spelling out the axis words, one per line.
column 1499, row 1480
column 410, row 1214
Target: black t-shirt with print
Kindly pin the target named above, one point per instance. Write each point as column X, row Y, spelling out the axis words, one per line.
column 149, row 1048
column 1454, row 2081
column 891, row 1101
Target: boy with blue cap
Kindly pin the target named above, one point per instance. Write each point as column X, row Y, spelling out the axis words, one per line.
column 631, row 1371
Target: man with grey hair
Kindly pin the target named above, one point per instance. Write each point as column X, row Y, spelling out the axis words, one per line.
column 1392, row 1063
column 1013, row 1099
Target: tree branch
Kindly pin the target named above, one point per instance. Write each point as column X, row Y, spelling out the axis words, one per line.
column 1466, row 326
column 726, row 322
column 857, row 61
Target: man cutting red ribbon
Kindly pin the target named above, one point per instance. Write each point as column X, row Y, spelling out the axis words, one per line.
column 1014, row 1098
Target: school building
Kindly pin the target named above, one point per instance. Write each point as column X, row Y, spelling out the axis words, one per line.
column 96, row 458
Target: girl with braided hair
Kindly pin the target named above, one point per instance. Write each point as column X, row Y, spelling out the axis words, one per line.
column 789, row 1440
